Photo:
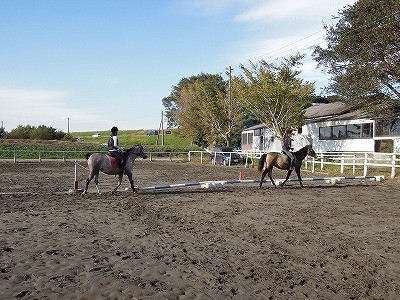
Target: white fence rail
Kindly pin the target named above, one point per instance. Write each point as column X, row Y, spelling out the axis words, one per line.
column 356, row 159
column 346, row 160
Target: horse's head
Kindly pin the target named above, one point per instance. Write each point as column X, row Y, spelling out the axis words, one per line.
column 310, row 151
column 138, row 150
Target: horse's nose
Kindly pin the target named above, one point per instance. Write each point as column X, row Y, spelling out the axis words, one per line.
column 144, row 156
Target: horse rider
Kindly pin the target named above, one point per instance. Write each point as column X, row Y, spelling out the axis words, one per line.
column 114, row 149
column 287, row 147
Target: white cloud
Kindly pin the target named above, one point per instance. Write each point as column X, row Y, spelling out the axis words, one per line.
column 40, row 107
column 279, row 28
column 284, row 10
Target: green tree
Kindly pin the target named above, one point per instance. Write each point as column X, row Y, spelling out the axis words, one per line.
column 363, row 55
column 205, row 110
column 274, row 93
column 20, row 132
column 2, row 132
column 172, row 102
column 41, row 132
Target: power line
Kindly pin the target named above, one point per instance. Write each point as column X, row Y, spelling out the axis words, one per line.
column 280, row 54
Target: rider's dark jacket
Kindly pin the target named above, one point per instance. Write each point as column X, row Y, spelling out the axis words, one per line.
column 287, row 143
column 114, row 149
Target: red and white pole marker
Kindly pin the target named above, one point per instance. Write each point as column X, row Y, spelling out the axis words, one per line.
column 76, row 176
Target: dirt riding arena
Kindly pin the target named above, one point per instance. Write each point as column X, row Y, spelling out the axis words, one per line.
column 226, row 242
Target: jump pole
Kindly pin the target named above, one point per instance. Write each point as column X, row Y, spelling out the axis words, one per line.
column 208, row 184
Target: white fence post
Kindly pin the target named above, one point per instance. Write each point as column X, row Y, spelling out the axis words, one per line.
column 365, row 164
column 189, row 156
column 322, row 161
column 393, row 173
column 313, row 165
column 342, row 165
column 354, row 164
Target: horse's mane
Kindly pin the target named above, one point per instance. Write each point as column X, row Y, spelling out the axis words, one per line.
column 127, row 151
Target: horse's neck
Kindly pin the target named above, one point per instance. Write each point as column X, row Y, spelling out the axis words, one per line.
column 302, row 153
column 131, row 157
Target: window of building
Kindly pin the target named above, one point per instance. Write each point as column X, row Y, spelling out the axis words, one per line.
column 244, row 138
column 366, row 130
column 259, row 132
column 353, row 131
column 250, row 138
column 387, row 128
column 325, row 133
column 339, row 132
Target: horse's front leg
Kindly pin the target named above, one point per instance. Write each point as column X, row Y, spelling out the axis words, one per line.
column 299, row 176
column 287, row 176
column 130, row 177
column 87, row 185
column 119, row 183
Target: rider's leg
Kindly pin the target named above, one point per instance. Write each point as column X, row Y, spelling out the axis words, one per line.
column 291, row 156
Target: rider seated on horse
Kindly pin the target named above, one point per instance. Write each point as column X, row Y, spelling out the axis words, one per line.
column 114, row 149
column 287, row 147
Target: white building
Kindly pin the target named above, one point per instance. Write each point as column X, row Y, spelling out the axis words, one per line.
column 334, row 127
column 331, row 127
column 261, row 138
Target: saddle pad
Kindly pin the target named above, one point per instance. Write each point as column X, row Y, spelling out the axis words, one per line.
column 113, row 161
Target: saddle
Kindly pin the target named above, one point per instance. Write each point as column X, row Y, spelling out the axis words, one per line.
column 287, row 158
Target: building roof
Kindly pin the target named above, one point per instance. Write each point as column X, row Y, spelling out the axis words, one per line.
column 262, row 125
column 326, row 110
column 333, row 112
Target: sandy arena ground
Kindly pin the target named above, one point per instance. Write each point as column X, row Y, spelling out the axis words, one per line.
column 232, row 242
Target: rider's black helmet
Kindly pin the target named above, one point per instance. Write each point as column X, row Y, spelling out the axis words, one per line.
column 114, row 129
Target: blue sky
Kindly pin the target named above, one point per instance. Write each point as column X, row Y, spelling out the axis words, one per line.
column 104, row 63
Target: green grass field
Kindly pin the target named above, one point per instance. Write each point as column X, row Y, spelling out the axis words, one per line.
column 128, row 138
column 173, row 142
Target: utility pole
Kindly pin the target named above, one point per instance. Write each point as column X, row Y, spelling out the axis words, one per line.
column 68, row 124
column 161, row 129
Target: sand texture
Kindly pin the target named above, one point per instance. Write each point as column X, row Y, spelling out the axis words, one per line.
column 322, row 241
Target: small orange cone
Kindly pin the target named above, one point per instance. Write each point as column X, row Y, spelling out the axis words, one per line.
column 241, row 177
column 252, row 164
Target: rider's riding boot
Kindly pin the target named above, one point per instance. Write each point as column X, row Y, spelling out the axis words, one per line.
column 291, row 165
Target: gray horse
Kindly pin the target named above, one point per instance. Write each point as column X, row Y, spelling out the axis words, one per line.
column 281, row 161
column 101, row 162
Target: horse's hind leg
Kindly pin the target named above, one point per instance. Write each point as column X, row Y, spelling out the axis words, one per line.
column 287, row 176
column 96, row 181
column 262, row 177
column 270, row 177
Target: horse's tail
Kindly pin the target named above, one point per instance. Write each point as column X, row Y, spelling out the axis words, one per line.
column 87, row 155
column 262, row 162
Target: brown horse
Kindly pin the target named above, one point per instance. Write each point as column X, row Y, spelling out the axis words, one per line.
column 101, row 162
column 281, row 161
